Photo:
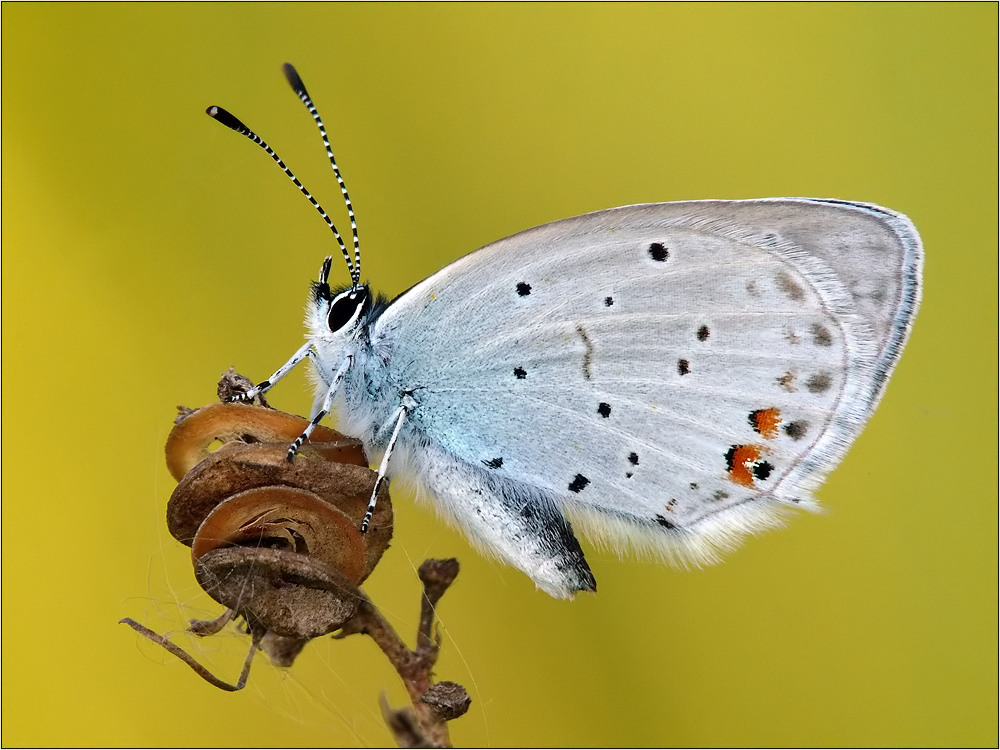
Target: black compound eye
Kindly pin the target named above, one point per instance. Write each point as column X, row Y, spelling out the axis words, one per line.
column 345, row 308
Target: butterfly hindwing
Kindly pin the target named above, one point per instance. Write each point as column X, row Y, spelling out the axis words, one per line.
column 671, row 374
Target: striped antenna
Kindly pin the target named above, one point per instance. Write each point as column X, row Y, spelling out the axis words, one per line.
column 300, row 89
column 232, row 122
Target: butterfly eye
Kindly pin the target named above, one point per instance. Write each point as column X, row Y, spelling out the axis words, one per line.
column 346, row 307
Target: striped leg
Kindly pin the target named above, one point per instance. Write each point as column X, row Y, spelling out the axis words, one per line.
column 383, row 467
column 301, row 354
column 331, row 393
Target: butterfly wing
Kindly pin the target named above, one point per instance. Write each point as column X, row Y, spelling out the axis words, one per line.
column 672, row 375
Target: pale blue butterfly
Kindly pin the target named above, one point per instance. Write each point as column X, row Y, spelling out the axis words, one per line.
column 672, row 376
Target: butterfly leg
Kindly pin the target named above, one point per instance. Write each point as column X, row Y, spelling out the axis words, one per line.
column 401, row 415
column 331, row 393
column 304, row 351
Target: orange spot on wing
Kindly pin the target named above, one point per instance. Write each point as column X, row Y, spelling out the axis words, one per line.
column 741, row 459
column 766, row 421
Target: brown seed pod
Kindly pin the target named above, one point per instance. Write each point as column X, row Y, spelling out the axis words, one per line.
column 283, row 593
column 196, row 431
column 276, row 541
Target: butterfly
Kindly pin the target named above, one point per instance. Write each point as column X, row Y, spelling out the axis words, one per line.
column 669, row 377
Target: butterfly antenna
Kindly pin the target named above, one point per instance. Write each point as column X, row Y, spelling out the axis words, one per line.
column 232, row 122
column 300, row 89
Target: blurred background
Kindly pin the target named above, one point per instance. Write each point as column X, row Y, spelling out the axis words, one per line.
column 146, row 249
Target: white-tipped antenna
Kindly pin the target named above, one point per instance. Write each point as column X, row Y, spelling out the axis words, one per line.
column 232, row 122
column 300, row 89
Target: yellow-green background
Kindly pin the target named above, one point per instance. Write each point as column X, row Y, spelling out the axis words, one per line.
column 146, row 249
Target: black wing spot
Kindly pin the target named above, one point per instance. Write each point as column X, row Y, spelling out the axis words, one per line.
column 609, row 301
column 604, row 409
column 520, row 373
column 703, row 333
column 578, row 483
column 658, row 252
column 762, row 469
column 523, row 290
column 494, row 463
column 633, row 458
column 683, row 366
column 796, row 430
column 664, row 522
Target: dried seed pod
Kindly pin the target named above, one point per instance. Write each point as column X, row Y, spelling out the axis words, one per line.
column 284, row 518
column 279, row 544
column 196, row 431
column 283, row 593
column 276, row 541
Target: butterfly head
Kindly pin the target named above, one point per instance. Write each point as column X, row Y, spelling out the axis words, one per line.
column 337, row 313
